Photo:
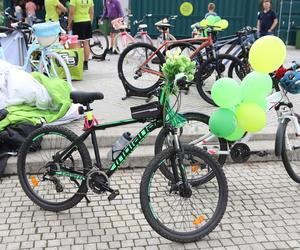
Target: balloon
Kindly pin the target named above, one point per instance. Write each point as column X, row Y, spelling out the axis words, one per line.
column 226, row 92
column 211, row 20
column 203, row 23
column 256, row 85
column 222, row 122
column 236, row 135
column 251, row 117
column 223, row 24
column 267, row 54
column 217, row 19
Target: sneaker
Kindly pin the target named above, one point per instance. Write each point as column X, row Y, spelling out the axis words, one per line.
column 85, row 65
column 110, row 51
column 115, row 52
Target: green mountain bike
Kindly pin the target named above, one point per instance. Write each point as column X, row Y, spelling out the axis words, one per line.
column 183, row 206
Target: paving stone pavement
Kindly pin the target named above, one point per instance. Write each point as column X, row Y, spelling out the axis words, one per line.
column 263, row 212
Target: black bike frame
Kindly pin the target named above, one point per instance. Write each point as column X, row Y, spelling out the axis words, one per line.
column 152, row 125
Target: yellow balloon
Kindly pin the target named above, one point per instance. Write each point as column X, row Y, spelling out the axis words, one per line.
column 223, row 24
column 251, row 117
column 267, row 54
column 204, row 23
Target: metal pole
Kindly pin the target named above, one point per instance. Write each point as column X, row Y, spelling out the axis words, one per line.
column 280, row 14
column 289, row 26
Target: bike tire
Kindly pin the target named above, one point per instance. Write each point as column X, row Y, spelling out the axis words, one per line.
column 131, row 83
column 160, row 40
column 26, row 159
column 191, row 117
column 98, row 43
column 149, row 208
column 138, row 38
column 208, row 67
column 53, row 65
column 120, row 46
column 285, row 152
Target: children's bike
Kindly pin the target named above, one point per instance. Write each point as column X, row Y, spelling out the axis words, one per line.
column 183, row 206
column 287, row 145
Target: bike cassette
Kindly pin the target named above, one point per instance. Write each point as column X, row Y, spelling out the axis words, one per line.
column 240, row 152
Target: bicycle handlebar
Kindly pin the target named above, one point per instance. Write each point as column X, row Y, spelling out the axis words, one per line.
column 142, row 20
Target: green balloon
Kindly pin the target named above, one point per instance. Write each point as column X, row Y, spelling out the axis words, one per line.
column 222, row 122
column 217, row 19
column 226, row 93
column 211, row 20
column 255, row 84
column 236, row 135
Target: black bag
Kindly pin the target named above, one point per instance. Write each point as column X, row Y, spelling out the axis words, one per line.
column 148, row 111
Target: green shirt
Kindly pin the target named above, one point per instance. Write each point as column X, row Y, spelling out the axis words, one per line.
column 82, row 10
column 51, row 13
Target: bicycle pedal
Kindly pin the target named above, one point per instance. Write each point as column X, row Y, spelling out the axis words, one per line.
column 113, row 195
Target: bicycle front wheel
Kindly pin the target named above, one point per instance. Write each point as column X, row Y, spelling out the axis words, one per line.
column 174, row 213
column 99, row 43
column 143, row 39
column 122, row 42
column 53, row 185
column 215, row 68
column 54, row 66
column 291, row 150
column 133, row 75
column 196, row 133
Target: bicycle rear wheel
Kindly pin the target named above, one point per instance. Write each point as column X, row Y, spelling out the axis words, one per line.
column 131, row 73
column 98, row 43
column 174, row 213
column 54, row 66
column 291, row 150
column 215, row 68
column 53, row 185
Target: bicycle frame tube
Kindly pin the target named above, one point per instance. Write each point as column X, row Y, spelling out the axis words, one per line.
column 206, row 42
column 125, row 152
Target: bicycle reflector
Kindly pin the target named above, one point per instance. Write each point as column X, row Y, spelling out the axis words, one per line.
column 291, row 82
column 199, row 220
column 34, row 181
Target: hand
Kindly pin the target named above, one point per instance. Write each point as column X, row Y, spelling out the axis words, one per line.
column 100, row 22
column 269, row 30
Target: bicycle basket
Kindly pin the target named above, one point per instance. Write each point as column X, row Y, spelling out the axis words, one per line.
column 291, row 82
column 46, row 33
column 148, row 111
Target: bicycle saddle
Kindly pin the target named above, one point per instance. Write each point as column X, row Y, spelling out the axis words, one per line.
column 143, row 26
column 85, row 97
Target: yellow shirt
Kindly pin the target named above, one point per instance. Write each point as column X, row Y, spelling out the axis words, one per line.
column 51, row 13
column 82, row 8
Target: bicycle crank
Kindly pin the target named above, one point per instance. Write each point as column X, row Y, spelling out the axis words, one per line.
column 241, row 152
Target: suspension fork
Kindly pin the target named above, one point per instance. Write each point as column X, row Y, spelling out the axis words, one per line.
column 179, row 152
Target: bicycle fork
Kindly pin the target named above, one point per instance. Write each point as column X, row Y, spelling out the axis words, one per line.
column 186, row 190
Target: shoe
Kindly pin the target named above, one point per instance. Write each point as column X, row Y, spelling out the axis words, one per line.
column 115, row 52
column 110, row 51
column 155, row 60
column 85, row 65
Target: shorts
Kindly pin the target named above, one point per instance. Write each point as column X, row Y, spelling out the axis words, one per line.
column 83, row 30
column 111, row 29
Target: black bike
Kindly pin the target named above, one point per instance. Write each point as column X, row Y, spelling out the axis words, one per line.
column 184, row 206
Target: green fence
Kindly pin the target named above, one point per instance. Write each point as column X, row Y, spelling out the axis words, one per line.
column 238, row 12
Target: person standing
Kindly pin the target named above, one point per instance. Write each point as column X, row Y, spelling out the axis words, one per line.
column 266, row 20
column 211, row 10
column 81, row 15
column 30, row 12
column 112, row 10
column 53, row 9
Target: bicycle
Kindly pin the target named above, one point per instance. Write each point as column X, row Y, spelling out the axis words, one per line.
column 163, row 26
column 68, row 169
column 123, row 38
column 196, row 132
column 140, row 73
